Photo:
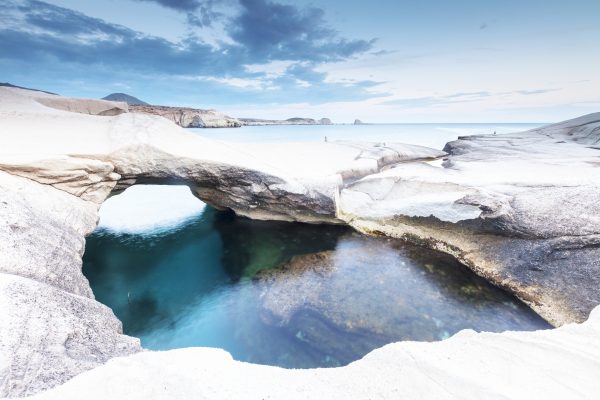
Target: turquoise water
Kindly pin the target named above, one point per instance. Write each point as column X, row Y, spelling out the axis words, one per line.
column 179, row 274
column 213, row 281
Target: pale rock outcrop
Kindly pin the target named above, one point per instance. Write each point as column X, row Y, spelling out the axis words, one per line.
column 189, row 117
column 520, row 210
column 47, row 335
column 561, row 363
column 57, row 167
column 51, row 328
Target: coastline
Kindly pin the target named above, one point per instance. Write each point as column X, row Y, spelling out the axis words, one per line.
column 485, row 217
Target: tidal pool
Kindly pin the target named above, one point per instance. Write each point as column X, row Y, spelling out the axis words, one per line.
column 288, row 294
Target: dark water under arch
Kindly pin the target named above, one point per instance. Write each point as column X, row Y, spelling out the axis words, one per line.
column 199, row 284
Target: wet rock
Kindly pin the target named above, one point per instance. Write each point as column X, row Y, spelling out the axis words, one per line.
column 519, row 209
column 369, row 292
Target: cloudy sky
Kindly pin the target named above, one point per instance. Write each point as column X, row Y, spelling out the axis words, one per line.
column 378, row 60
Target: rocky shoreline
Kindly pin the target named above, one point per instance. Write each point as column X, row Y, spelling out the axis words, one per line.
column 189, row 117
column 520, row 210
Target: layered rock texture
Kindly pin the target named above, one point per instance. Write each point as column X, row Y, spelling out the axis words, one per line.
column 189, row 117
column 520, row 210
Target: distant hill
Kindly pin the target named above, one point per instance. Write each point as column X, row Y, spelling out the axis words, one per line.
column 6, row 84
column 132, row 101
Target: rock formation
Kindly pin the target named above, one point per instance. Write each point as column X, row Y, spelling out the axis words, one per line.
column 358, row 122
column 520, row 210
column 505, row 205
column 561, row 363
column 309, row 294
column 189, row 117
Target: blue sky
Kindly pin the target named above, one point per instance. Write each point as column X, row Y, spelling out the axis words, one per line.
column 380, row 61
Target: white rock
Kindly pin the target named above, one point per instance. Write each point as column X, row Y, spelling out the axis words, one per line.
column 508, row 206
column 562, row 363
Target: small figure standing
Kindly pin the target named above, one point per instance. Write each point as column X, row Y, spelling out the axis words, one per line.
column 325, row 138
column 494, row 132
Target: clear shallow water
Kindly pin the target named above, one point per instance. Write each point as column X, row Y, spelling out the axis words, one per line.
column 213, row 281
column 180, row 274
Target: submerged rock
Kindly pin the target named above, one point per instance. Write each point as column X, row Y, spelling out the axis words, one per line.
column 369, row 292
column 519, row 209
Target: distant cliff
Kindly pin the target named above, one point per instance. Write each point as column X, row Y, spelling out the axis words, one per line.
column 289, row 121
column 199, row 118
column 190, row 117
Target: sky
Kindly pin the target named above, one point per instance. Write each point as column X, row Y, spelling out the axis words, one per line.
column 378, row 61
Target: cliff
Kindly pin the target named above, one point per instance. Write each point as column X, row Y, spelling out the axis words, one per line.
column 189, row 117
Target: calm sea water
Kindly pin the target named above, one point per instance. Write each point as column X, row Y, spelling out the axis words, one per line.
column 285, row 294
column 431, row 135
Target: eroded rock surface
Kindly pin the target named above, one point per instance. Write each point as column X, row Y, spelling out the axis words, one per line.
column 189, row 117
column 51, row 328
column 520, row 210
column 325, row 300
column 560, row 363
column 58, row 163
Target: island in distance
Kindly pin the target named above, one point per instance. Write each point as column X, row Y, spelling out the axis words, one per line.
column 187, row 117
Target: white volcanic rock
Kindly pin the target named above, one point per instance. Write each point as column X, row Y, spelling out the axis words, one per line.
column 520, row 210
column 48, row 335
column 57, row 167
column 90, row 156
column 562, row 363
column 42, row 232
column 189, row 117
column 51, row 328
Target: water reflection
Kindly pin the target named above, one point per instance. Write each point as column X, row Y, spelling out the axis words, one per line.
column 335, row 296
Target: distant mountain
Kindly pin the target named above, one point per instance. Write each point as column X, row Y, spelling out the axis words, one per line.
column 132, row 101
column 6, row 84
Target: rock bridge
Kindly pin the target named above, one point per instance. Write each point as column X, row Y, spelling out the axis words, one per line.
column 520, row 210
